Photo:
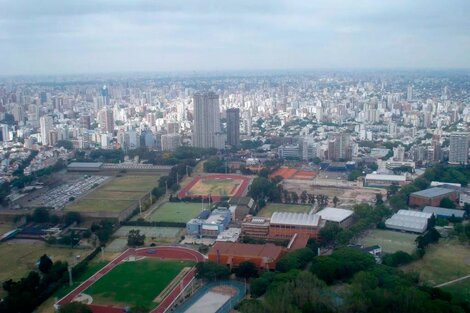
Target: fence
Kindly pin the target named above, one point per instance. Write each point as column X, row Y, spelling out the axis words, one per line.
column 226, row 307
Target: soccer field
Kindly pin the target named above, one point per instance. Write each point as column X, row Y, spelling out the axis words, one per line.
column 180, row 212
column 136, row 283
column 116, row 195
column 390, row 241
column 268, row 210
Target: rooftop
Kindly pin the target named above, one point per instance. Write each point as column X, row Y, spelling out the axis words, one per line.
column 386, row 177
column 247, row 250
column 432, row 192
column 85, row 164
column 335, row 214
column 301, row 219
column 444, row 211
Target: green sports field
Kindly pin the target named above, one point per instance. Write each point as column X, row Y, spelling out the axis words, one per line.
column 116, row 195
column 390, row 241
column 268, row 210
column 136, row 283
column 180, row 212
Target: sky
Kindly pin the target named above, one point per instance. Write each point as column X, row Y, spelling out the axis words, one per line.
column 100, row 36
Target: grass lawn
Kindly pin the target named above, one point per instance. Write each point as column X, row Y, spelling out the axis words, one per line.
column 149, row 231
column 177, row 212
column 20, row 256
column 116, row 195
column 268, row 210
column 390, row 241
column 460, row 291
column 6, row 227
column 442, row 262
column 135, row 283
column 91, row 269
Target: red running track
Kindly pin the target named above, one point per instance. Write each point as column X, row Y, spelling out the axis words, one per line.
column 240, row 190
column 164, row 252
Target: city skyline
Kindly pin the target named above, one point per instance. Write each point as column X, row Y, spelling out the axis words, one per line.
column 104, row 37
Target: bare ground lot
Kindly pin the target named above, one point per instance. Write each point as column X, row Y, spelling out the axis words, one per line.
column 268, row 210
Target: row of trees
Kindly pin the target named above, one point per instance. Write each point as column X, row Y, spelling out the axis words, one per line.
column 263, row 189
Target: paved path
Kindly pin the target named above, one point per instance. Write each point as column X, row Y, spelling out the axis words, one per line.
column 452, row 281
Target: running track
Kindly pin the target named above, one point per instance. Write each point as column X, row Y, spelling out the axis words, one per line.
column 164, row 252
column 245, row 181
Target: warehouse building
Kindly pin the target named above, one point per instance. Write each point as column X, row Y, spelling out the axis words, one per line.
column 432, row 196
column 443, row 212
column 410, row 221
column 284, row 225
column 84, row 167
column 344, row 218
column 381, row 180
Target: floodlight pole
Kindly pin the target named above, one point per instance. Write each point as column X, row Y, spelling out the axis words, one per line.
column 70, row 275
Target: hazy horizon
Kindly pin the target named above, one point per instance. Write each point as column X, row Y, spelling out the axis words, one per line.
column 116, row 37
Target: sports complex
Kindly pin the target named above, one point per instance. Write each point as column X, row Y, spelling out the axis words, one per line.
column 216, row 186
column 151, row 277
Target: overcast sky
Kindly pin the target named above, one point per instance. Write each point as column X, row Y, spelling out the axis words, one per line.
column 92, row 36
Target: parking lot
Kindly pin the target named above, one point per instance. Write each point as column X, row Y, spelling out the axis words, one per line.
column 59, row 196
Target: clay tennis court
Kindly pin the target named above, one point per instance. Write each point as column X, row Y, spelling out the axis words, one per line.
column 292, row 173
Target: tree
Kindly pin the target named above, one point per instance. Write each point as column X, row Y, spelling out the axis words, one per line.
column 246, row 269
column 335, row 201
column 72, row 217
column 378, row 199
column 75, row 307
column 45, row 264
column 40, row 215
column 212, row 271
column 329, row 232
column 447, row 203
column 135, row 239
column 295, row 197
column 303, row 197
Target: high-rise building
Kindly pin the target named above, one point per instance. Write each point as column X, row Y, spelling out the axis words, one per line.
column 399, row 153
column 170, row 142
column 206, row 120
column 4, row 133
column 106, row 120
column 233, row 127
column 458, row 151
column 409, row 93
column 85, row 121
column 339, row 147
column 45, row 123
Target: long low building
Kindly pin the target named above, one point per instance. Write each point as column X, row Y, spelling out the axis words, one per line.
column 432, row 196
column 382, row 180
column 410, row 221
column 284, row 225
column 232, row 254
column 444, row 212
